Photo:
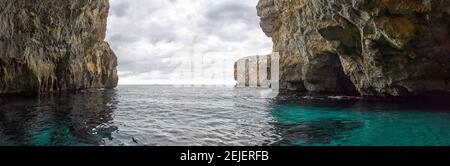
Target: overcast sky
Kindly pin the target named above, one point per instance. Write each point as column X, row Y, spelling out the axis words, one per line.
column 183, row 41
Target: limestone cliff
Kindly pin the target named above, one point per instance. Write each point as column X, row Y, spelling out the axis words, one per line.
column 49, row 45
column 253, row 71
column 373, row 47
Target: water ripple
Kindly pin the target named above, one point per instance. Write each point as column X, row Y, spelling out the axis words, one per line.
column 166, row 115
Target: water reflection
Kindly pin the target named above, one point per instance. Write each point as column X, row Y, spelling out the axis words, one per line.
column 166, row 115
column 57, row 119
column 323, row 131
column 433, row 103
column 353, row 122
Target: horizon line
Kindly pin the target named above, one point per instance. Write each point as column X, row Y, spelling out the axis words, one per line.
column 175, row 84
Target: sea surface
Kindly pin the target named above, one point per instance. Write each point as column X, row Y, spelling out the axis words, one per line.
column 181, row 115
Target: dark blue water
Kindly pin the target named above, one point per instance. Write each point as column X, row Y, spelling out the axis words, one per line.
column 168, row 115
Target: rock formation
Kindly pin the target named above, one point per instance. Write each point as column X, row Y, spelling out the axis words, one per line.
column 371, row 47
column 48, row 45
column 253, row 71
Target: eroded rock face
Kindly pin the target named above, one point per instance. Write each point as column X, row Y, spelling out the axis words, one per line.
column 376, row 47
column 48, row 45
column 253, row 71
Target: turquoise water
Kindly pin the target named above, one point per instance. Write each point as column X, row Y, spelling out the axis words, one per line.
column 174, row 115
column 327, row 126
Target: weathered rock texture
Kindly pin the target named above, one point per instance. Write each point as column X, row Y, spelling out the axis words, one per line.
column 374, row 47
column 253, row 71
column 49, row 45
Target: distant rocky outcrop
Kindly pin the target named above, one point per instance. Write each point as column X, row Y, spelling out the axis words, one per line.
column 253, row 71
column 54, row 45
column 365, row 47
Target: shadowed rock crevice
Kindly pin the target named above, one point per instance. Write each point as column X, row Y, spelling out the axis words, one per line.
column 327, row 77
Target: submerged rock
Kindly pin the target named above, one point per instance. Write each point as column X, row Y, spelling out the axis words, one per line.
column 369, row 47
column 48, row 45
column 323, row 131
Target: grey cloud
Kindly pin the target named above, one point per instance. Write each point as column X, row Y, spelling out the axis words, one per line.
column 152, row 34
column 176, row 30
column 231, row 11
column 120, row 10
column 220, row 17
column 148, row 65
